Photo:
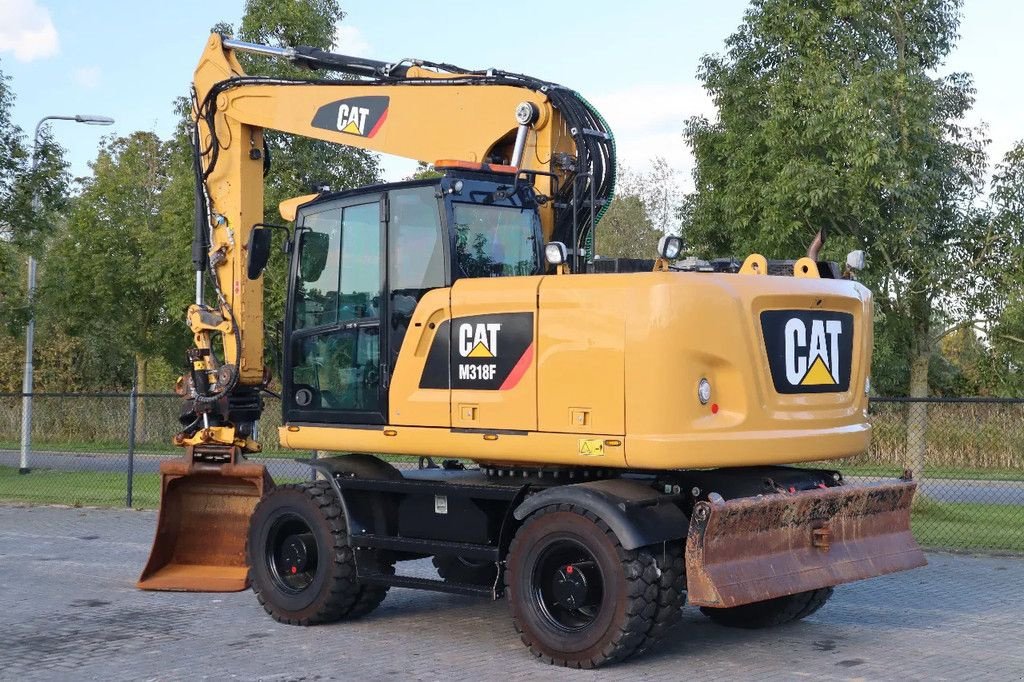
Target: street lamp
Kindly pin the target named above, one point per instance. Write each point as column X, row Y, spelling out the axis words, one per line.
column 30, row 331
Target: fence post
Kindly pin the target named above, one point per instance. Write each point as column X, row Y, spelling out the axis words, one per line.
column 312, row 471
column 133, row 411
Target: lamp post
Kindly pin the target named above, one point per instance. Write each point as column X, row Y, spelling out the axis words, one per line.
column 30, row 331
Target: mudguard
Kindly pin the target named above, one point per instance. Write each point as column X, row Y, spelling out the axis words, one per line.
column 638, row 514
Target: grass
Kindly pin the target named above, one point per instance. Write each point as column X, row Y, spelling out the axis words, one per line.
column 77, row 488
column 83, row 488
column 967, row 526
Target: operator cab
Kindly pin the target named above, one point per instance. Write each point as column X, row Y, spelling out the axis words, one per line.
column 364, row 258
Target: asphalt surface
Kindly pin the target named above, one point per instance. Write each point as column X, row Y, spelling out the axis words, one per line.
column 941, row 490
column 70, row 611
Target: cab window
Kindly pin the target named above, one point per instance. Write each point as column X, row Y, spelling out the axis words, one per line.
column 495, row 241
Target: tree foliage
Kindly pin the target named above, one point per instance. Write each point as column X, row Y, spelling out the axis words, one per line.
column 24, row 223
column 644, row 209
column 114, row 275
column 831, row 116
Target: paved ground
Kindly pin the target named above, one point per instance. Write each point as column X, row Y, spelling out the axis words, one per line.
column 941, row 490
column 69, row 611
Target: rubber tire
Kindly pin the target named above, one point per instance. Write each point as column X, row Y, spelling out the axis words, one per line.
column 452, row 569
column 334, row 594
column 630, row 585
column 772, row 612
column 671, row 564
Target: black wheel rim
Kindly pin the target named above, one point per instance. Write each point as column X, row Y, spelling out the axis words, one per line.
column 291, row 554
column 568, row 586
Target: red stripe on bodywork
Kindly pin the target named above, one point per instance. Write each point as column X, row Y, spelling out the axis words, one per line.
column 380, row 122
column 519, row 370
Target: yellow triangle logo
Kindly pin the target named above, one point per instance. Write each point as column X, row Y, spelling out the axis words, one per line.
column 352, row 128
column 480, row 351
column 818, row 375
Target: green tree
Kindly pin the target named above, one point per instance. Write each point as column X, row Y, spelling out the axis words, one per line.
column 830, row 116
column 1004, row 331
column 644, row 209
column 24, row 224
column 112, row 276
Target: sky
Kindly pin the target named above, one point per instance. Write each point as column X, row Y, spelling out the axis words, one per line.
column 636, row 62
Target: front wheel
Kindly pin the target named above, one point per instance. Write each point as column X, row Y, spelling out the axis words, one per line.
column 301, row 565
column 771, row 612
column 578, row 599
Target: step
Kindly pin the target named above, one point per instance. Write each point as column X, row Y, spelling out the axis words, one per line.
column 421, row 546
column 425, row 584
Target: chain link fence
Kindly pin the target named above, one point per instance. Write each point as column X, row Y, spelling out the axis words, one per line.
column 104, row 449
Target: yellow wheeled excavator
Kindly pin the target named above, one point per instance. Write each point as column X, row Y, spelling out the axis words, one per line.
column 612, row 443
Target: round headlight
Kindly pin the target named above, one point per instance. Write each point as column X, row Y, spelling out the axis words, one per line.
column 704, row 391
column 555, row 253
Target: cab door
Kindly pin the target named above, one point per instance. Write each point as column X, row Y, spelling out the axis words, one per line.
column 335, row 359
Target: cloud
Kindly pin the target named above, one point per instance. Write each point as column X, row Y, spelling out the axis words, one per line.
column 648, row 119
column 27, row 30
column 87, row 77
column 348, row 40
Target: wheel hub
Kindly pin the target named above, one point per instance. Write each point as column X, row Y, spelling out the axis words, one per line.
column 295, row 553
column 570, row 587
column 291, row 554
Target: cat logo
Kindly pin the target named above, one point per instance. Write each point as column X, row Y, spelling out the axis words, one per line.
column 813, row 362
column 809, row 351
column 479, row 340
column 362, row 116
column 481, row 353
column 352, row 119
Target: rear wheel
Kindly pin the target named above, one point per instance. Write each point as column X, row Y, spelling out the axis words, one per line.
column 578, row 599
column 301, row 565
column 771, row 612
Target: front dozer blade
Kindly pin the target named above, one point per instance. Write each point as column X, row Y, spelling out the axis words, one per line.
column 202, row 525
column 751, row 549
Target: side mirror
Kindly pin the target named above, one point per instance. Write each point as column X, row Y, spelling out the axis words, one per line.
column 258, row 252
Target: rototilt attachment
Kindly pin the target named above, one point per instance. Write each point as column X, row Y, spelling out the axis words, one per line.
column 206, row 499
column 756, row 548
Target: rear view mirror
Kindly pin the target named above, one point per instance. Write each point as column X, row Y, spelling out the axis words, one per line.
column 258, row 252
column 313, row 250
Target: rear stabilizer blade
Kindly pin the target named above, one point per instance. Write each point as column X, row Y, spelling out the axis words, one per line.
column 751, row 549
